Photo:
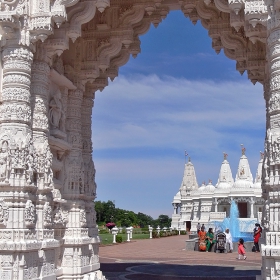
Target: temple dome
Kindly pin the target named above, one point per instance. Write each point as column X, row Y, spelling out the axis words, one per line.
column 177, row 198
column 202, row 187
column 209, row 187
column 225, row 180
column 244, row 178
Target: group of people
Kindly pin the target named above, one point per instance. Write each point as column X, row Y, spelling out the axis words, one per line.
column 207, row 240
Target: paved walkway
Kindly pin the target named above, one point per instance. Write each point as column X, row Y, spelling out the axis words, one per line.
column 166, row 259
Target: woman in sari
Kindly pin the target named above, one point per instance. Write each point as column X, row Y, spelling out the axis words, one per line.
column 209, row 240
column 201, row 241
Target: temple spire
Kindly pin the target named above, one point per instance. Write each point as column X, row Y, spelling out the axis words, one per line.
column 189, row 179
column 258, row 178
column 225, row 179
column 186, row 154
column 243, row 149
column 244, row 177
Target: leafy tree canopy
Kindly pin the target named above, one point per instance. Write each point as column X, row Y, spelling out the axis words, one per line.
column 106, row 212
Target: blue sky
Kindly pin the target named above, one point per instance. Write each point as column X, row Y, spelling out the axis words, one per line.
column 177, row 95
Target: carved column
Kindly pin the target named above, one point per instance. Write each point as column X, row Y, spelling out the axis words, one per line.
column 17, row 192
column 89, row 175
column 78, row 259
column 73, row 186
column 252, row 202
column 270, row 253
column 42, row 161
column 216, row 204
column 89, row 191
column 175, row 207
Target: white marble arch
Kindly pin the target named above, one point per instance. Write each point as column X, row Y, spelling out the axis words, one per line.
column 54, row 55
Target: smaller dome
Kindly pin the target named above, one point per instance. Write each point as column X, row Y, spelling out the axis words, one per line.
column 177, row 198
column 202, row 187
column 210, row 187
column 243, row 184
column 223, row 185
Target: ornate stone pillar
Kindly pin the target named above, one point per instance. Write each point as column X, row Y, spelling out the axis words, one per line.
column 252, row 202
column 42, row 162
column 19, row 245
column 216, row 204
column 78, row 191
column 175, row 208
column 89, row 192
column 270, row 252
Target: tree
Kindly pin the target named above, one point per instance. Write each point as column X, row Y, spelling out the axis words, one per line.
column 163, row 221
column 144, row 220
column 99, row 209
column 109, row 211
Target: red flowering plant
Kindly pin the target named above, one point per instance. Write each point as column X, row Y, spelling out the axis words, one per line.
column 110, row 225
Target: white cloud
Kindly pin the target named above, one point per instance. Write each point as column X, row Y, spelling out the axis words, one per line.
column 147, row 111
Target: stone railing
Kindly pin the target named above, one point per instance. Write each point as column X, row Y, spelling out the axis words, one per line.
column 217, row 216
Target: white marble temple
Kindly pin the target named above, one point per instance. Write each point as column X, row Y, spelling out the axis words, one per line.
column 209, row 203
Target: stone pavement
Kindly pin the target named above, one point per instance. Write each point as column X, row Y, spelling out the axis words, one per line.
column 166, row 259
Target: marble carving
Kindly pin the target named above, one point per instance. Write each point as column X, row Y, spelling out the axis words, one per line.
column 55, row 54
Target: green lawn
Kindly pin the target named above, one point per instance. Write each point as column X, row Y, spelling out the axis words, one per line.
column 107, row 238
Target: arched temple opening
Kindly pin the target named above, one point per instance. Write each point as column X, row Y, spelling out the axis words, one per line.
column 55, row 55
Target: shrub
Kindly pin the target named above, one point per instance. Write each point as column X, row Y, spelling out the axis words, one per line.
column 119, row 238
column 154, row 234
column 183, row 232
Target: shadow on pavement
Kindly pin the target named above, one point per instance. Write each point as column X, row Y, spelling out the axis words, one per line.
column 152, row 271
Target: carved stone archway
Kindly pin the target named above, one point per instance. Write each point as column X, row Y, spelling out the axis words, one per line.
column 55, row 55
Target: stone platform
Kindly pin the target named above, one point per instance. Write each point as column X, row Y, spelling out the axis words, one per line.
column 167, row 259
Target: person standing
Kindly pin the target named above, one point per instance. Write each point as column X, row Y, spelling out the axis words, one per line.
column 203, row 227
column 257, row 235
column 198, row 228
column 210, row 241
column 228, row 240
column 201, row 241
column 241, row 250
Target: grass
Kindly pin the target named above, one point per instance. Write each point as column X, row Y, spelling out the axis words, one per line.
column 107, row 238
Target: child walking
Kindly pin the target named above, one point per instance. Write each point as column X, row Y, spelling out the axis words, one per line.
column 241, row 249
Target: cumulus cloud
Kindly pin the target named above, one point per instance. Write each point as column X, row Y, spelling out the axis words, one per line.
column 163, row 112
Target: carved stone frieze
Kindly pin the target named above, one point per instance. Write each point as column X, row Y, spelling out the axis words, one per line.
column 4, row 213
column 29, row 214
column 48, row 216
